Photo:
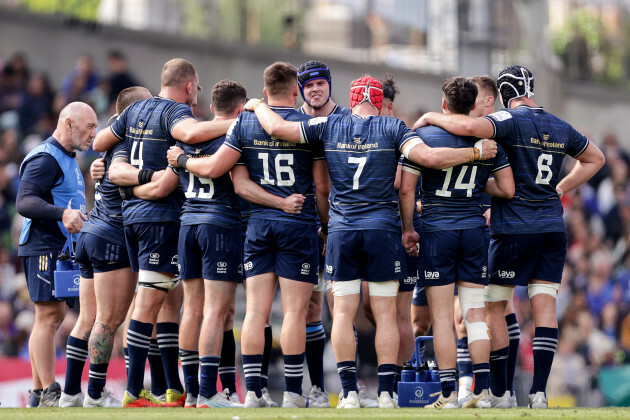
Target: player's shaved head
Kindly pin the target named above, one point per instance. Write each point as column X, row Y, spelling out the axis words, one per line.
column 227, row 95
column 460, row 94
column 129, row 96
column 177, row 72
column 280, row 78
column 74, row 110
column 486, row 83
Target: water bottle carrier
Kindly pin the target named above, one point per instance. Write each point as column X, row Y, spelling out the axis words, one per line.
column 425, row 387
column 66, row 277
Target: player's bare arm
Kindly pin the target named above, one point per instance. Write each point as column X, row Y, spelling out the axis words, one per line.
column 206, row 167
column 445, row 157
column 254, row 193
column 407, row 204
column 159, row 188
column 461, row 125
column 502, row 185
column 321, row 178
column 272, row 123
column 104, row 140
column 587, row 165
column 192, row 131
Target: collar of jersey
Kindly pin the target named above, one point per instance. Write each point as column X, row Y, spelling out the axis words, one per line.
column 530, row 107
column 58, row 145
column 281, row 107
column 162, row 97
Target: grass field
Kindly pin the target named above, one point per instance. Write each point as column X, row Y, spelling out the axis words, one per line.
column 319, row 413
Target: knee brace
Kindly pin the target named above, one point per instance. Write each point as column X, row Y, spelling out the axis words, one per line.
column 346, row 288
column 473, row 298
column 550, row 289
column 496, row 293
column 383, row 288
column 157, row 281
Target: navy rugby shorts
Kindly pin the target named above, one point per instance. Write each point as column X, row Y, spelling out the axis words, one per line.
column 517, row 259
column 210, row 252
column 98, row 255
column 420, row 296
column 371, row 255
column 153, row 246
column 288, row 249
column 447, row 256
column 40, row 278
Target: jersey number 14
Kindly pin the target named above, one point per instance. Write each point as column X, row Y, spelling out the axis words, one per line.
column 459, row 182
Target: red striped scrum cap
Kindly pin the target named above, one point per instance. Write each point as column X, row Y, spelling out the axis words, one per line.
column 366, row 89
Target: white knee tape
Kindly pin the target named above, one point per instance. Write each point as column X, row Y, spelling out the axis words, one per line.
column 158, row 281
column 550, row 289
column 346, row 288
column 384, row 288
column 477, row 331
column 328, row 285
column 470, row 298
column 496, row 293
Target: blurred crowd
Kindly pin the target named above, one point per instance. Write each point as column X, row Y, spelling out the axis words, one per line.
column 594, row 300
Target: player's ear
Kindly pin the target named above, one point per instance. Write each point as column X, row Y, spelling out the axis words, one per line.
column 265, row 92
column 212, row 109
column 68, row 123
column 240, row 108
column 189, row 87
column 295, row 90
column 444, row 108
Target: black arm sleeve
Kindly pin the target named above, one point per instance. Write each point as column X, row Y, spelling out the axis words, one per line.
column 31, row 204
column 34, row 199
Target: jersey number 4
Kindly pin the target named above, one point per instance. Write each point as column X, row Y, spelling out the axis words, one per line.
column 459, row 182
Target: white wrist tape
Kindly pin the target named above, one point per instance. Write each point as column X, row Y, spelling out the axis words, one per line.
column 479, row 146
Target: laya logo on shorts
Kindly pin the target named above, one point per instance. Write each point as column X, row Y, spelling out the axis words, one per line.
column 154, row 258
column 248, row 266
column 329, row 269
column 410, row 280
column 221, row 267
column 506, row 274
column 431, row 275
column 306, row 269
column 396, row 266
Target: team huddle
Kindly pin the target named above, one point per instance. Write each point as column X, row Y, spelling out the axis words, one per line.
column 320, row 200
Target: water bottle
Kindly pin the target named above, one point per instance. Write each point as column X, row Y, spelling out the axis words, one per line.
column 407, row 373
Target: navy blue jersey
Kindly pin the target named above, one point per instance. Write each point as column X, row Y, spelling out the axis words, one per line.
column 106, row 220
column 146, row 127
column 452, row 198
column 282, row 168
column 208, row 200
column 535, row 142
column 362, row 156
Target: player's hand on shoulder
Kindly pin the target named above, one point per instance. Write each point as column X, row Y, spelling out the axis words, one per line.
column 293, row 204
column 422, row 121
column 252, row 104
column 173, row 153
column 487, row 149
column 72, row 220
column 410, row 242
column 97, row 169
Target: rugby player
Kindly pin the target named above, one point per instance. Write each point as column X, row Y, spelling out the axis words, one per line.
column 151, row 227
column 453, row 249
column 529, row 242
